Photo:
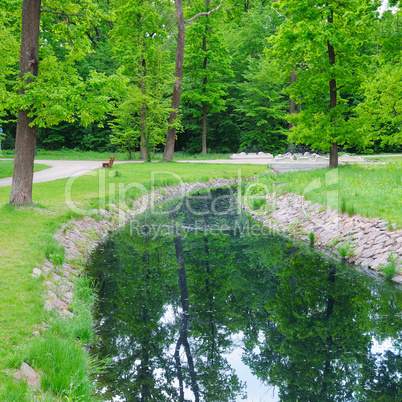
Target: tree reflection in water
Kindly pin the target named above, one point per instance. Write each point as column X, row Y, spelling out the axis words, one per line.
column 170, row 303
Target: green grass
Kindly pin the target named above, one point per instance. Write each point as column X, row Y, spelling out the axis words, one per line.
column 27, row 236
column 386, row 159
column 6, row 168
column 368, row 190
column 70, row 154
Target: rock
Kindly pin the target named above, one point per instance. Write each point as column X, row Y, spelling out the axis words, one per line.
column 389, row 242
column 36, row 273
column 67, row 297
column 381, row 260
column 28, row 374
column 381, row 238
column 397, row 279
column 48, row 305
column 47, row 267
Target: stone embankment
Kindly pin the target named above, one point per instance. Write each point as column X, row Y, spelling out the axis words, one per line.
column 370, row 243
column 367, row 242
column 80, row 236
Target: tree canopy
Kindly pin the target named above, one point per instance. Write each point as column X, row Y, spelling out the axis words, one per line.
column 106, row 74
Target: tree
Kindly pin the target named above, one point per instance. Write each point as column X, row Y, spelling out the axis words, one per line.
column 380, row 114
column 140, row 41
column 171, row 131
column 257, row 107
column 207, row 69
column 9, row 47
column 322, row 42
column 263, row 108
column 57, row 93
column 25, row 144
column 178, row 73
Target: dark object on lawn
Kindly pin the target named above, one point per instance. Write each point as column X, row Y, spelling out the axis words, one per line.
column 109, row 164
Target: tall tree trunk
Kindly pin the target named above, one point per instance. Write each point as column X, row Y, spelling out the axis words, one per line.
column 144, row 151
column 171, row 132
column 329, row 339
column 204, row 86
column 292, row 106
column 25, row 141
column 204, row 128
column 333, row 155
column 183, row 338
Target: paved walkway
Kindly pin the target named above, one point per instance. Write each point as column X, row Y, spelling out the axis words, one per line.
column 62, row 169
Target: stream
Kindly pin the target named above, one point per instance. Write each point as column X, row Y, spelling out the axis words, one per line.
column 198, row 302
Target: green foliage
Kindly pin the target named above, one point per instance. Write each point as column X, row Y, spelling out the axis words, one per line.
column 390, row 269
column 311, row 238
column 255, row 92
column 207, row 64
column 64, row 366
column 264, row 108
column 9, row 32
column 380, row 113
column 70, row 99
column 59, row 93
column 139, row 42
column 139, row 113
column 345, row 251
column 302, row 44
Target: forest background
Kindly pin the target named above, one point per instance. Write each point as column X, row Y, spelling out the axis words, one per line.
column 257, row 76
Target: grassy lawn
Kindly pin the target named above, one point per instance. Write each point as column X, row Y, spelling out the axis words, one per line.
column 27, row 233
column 386, row 159
column 368, row 190
column 6, row 168
column 69, row 154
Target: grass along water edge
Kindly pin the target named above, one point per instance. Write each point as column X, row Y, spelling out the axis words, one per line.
column 374, row 191
column 27, row 237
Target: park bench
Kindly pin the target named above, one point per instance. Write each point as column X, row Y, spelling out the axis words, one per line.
column 109, row 164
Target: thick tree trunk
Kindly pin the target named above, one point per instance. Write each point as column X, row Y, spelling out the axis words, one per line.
column 171, row 132
column 292, row 106
column 333, row 155
column 25, row 141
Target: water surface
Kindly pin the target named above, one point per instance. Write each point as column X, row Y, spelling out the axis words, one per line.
column 199, row 302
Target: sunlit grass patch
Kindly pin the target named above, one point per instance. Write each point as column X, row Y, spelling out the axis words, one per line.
column 7, row 167
column 368, row 190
